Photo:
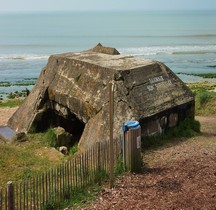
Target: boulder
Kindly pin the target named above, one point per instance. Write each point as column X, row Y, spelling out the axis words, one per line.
column 63, row 150
column 21, row 137
column 73, row 92
column 63, row 138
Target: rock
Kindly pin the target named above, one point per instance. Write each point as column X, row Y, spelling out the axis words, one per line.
column 106, row 50
column 63, row 150
column 21, row 137
column 73, row 92
column 63, row 138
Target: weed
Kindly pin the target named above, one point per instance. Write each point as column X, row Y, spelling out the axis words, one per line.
column 51, row 205
column 100, row 175
column 73, row 149
column 119, row 168
column 82, row 197
column 78, row 77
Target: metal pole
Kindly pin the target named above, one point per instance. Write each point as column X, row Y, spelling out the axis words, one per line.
column 123, row 144
column 111, row 135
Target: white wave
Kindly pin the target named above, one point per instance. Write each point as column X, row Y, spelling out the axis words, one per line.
column 23, row 57
column 180, row 49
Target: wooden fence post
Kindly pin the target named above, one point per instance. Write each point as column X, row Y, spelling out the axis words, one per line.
column 99, row 162
column 111, row 112
column 10, row 195
column 0, row 199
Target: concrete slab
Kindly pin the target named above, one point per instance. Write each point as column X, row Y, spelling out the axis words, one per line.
column 7, row 134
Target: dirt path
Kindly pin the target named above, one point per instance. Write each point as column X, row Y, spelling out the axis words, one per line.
column 179, row 176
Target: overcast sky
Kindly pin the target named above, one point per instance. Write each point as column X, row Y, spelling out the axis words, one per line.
column 77, row 5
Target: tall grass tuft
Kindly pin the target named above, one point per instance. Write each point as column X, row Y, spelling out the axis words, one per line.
column 203, row 97
column 51, row 137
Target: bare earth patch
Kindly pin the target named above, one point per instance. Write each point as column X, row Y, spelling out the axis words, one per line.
column 50, row 153
column 179, row 176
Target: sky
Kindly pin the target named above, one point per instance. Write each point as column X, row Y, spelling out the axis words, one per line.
column 79, row 5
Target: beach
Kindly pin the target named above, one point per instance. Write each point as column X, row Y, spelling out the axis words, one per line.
column 5, row 114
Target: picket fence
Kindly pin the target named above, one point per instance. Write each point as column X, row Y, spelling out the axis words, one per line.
column 60, row 182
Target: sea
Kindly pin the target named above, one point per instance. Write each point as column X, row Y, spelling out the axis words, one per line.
column 184, row 40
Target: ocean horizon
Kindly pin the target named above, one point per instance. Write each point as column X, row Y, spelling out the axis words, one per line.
column 184, row 40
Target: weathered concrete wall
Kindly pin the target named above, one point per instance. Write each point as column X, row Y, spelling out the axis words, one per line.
column 75, row 86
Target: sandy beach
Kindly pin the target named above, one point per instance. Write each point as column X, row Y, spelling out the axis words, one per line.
column 5, row 114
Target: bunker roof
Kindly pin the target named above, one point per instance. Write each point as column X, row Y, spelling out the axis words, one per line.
column 115, row 62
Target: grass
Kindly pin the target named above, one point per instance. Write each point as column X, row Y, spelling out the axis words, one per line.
column 51, row 138
column 26, row 82
column 208, row 76
column 10, row 103
column 5, row 84
column 27, row 159
column 74, row 149
column 205, row 98
column 20, row 161
column 77, row 199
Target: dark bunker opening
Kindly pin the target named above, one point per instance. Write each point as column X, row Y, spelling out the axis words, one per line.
column 51, row 119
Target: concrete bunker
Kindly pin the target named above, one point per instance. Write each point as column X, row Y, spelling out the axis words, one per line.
column 74, row 87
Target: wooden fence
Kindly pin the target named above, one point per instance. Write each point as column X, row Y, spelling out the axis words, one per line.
column 60, row 182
